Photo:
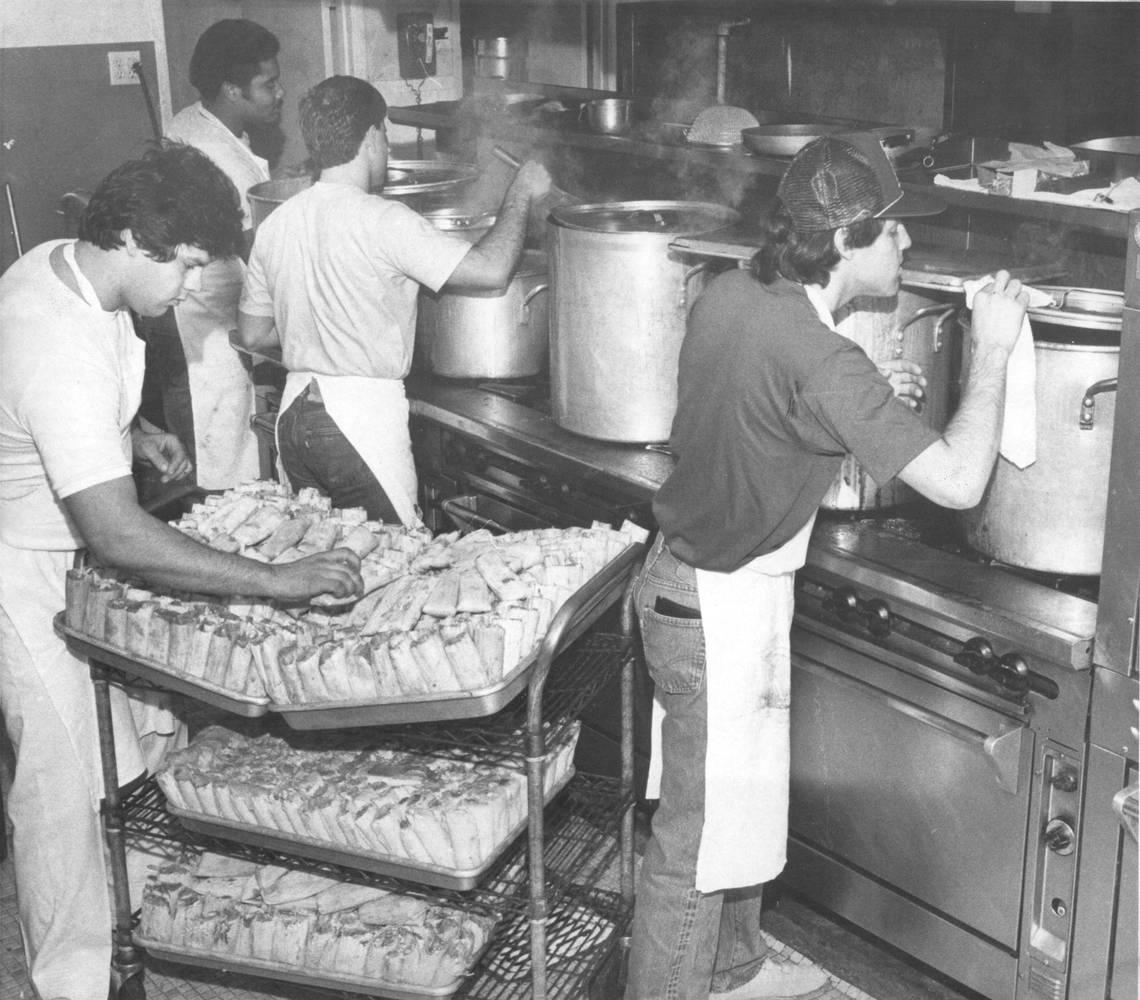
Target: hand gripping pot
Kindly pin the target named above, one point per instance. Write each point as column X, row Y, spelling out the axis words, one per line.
column 619, row 300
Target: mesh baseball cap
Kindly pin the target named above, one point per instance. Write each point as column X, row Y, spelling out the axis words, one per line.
column 840, row 179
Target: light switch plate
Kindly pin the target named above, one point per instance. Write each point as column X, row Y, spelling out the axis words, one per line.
column 122, row 68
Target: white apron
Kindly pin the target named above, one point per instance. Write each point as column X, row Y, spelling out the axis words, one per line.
column 746, row 616
column 373, row 414
column 221, row 390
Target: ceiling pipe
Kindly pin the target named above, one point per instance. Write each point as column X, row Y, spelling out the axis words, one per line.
column 722, row 32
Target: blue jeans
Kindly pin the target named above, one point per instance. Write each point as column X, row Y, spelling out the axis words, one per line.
column 316, row 453
column 684, row 941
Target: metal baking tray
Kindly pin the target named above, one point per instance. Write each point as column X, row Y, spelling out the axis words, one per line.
column 580, row 611
column 292, row 973
column 434, row 707
column 323, row 850
column 160, row 674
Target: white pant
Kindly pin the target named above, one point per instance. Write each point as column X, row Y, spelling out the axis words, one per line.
column 48, row 704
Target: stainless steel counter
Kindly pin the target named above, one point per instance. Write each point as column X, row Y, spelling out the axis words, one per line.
column 531, row 435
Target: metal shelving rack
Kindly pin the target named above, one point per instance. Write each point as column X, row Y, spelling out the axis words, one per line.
column 569, row 844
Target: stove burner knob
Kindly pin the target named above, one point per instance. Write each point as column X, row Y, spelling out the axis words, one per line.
column 845, row 603
column 1059, row 837
column 978, row 655
column 1015, row 673
column 878, row 615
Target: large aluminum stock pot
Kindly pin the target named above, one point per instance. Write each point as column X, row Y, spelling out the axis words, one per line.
column 618, row 305
column 1050, row 516
column 501, row 333
column 913, row 327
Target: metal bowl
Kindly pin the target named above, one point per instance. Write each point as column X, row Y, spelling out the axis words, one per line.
column 1119, row 155
column 785, row 140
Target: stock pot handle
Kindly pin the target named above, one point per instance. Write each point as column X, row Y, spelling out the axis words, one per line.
column 939, row 309
column 688, row 276
column 524, row 308
column 1088, row 401
column 1124, row 804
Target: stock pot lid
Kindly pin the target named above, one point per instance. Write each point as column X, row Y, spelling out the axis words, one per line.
column 670, row 218
column 1082, row 308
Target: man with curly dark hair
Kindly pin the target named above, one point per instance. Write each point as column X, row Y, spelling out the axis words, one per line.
column 201, row 383
column 771, row 397
column 334, row 277
column 71, row 372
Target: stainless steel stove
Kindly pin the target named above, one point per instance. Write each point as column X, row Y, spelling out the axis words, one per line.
column 938, row 718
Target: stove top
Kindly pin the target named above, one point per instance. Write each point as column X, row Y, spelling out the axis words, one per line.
column 931, row 525
column 533, row 393
column 921, row 521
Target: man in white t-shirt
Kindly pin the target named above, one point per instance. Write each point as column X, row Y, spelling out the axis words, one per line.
column 71, row 372
column 333, row 280
column 207, row 392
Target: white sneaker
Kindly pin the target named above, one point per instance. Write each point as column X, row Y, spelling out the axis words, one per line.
column 778, row 979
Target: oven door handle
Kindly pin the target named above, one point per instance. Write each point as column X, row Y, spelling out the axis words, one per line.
column 1002, row 750
column 1124, row 804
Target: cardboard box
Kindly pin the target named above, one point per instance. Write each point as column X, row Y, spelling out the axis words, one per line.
column 1017, row 177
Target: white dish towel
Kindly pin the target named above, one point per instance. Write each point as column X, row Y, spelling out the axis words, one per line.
column 1019, row 420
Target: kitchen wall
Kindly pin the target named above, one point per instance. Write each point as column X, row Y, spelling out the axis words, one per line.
column 560, row 38
column 1025, row 71
column 62, row 125
column 372, row 53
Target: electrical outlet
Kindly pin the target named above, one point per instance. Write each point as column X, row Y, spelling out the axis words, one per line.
column 122, row 68
column 415, row 45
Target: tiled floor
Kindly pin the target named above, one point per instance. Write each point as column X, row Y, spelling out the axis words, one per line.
column 861, row 968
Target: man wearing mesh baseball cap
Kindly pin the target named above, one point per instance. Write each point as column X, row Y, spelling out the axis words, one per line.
column 770, row 400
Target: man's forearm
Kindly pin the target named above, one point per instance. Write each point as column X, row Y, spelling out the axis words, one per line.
column 974, row 431
column 120, row 534
column 954, row 470
column 489, row 263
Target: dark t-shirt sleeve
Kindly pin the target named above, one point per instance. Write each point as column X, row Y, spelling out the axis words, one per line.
column 849, row 401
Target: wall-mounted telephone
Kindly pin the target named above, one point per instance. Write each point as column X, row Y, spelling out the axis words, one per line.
column 415, row 44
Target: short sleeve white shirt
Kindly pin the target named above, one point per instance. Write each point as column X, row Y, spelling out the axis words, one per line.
column 70, row 385
column 340, row 270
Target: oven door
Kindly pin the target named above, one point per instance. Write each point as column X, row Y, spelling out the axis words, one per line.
column 909, row 807
column 1105, row 932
